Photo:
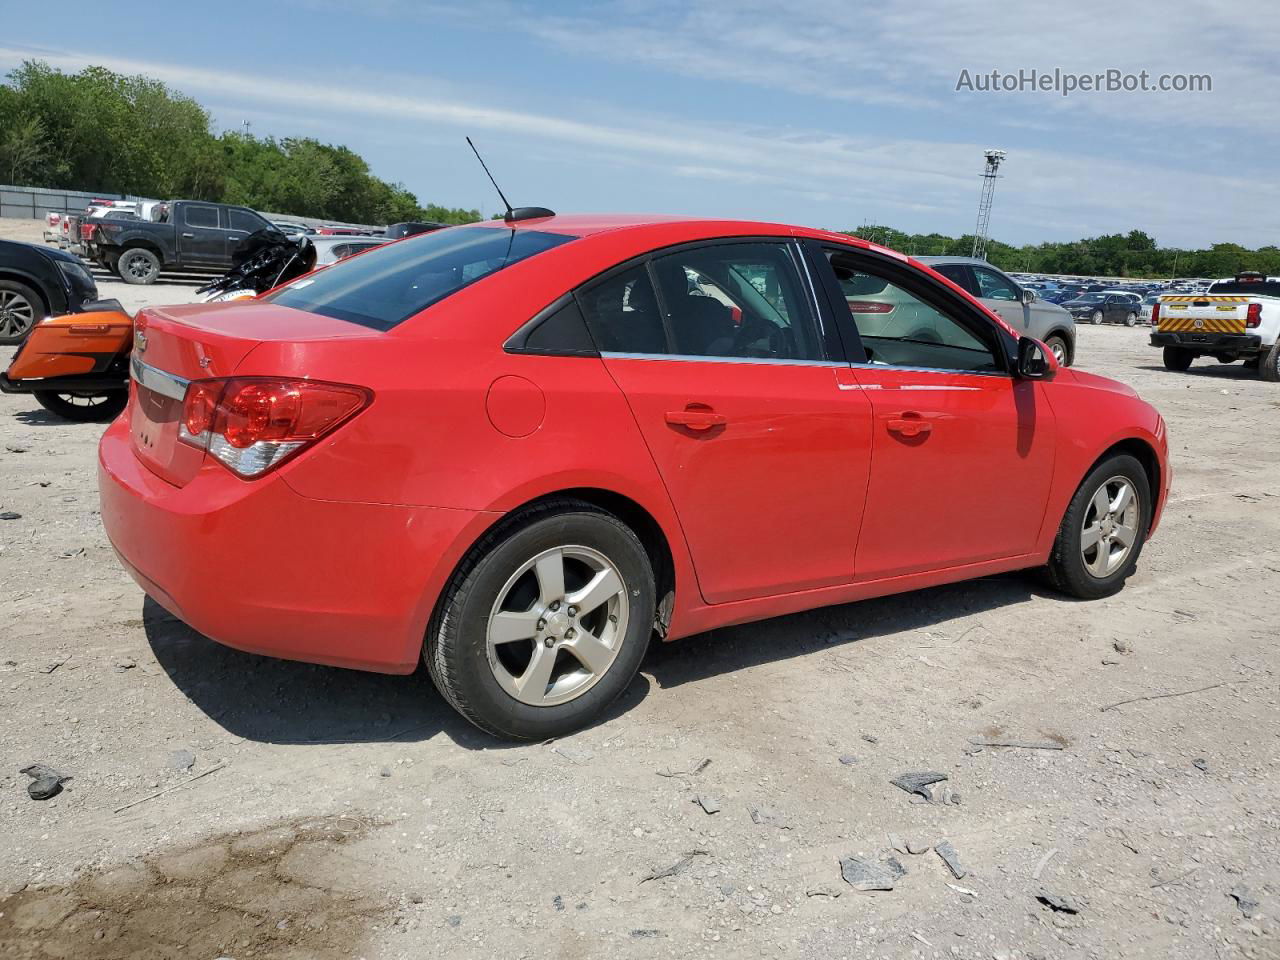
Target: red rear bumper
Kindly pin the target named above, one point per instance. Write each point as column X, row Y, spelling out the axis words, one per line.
column 260, row 568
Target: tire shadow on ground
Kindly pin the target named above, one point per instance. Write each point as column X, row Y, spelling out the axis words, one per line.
column 286, row 702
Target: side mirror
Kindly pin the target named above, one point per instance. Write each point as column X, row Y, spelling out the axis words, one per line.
column 1035, row 360
column 1028, row 296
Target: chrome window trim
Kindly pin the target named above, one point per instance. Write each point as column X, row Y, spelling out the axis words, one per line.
column 797, row 254
column 964, row 373
column 686, row 357
column 153, row 378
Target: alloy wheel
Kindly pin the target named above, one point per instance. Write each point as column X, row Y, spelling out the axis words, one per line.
column 1059, row 353
column 1110, row 527
column 17, row 314
column 557, row 625
column 139, row 267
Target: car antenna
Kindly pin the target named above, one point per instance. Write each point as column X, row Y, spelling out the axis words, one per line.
column 513, row 214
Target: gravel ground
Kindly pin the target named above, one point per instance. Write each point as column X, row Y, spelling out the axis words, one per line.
column 340, row 814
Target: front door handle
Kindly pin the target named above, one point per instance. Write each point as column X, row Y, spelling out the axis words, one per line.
column 696, row 418
column 188, row 236
column 910, row 427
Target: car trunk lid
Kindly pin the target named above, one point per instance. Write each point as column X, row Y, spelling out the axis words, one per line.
column 176, row 345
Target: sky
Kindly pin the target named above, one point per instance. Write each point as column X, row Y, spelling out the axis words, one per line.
column 830, row 113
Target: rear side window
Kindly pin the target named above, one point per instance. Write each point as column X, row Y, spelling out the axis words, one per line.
column 622, row 313
column 958, row 274
column 200, row 216
column 394, row 282
column 737, row 300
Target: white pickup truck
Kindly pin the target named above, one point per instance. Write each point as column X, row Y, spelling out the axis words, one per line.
column 1235, row 319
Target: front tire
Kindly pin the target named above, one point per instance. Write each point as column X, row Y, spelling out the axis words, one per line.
column 83, row 408
column 1178, row 358
column 1096, row 317
column 20, row 309
column 545, row 623
column 137, row 265
column 1102, row 533
column 1058, row 347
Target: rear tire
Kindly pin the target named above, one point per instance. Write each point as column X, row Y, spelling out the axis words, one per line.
column 1178, row 358
column 93, row 408
column 138, row 265
column 1072, row 558
column 481, row 680
column 1131, row 320
column 1269, row 364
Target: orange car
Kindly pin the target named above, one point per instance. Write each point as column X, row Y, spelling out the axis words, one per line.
column 76, row 365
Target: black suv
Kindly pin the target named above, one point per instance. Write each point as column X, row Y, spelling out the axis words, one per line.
column 37, row 282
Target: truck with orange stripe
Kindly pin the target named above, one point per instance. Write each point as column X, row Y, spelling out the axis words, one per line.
column 1237, row 318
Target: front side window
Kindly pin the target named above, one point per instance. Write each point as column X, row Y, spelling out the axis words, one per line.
column 196, row 216
column 899, row 329
column 398, row 280
column 994, row 286
column 244, row 220
column 737, row 300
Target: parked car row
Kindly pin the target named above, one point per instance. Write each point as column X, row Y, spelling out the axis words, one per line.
column 1098, row 301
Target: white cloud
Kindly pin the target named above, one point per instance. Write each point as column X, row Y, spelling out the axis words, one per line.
column 834, row 178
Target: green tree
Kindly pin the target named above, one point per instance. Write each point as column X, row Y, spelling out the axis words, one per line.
column 102, row 131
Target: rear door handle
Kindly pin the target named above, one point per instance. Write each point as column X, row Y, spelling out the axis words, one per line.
column 696, row 418
column 910, row 427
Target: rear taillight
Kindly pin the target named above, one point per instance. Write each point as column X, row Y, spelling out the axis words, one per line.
column 253, row 424
column 86, row 231
column 1253, row 316
column 869, row 306
column 1155, row 314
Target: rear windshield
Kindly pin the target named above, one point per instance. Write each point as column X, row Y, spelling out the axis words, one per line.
column 387, row 286
column 1258, row 288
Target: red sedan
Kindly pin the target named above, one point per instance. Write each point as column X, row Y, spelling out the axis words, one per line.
column 516, row 450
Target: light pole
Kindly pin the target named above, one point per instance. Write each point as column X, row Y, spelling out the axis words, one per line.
column 989, row 176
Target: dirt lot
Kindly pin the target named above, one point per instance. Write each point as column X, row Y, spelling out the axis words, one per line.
column 343, row 814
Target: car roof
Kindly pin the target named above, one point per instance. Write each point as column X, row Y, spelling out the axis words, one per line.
column 943, row 259
column 588, row 224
